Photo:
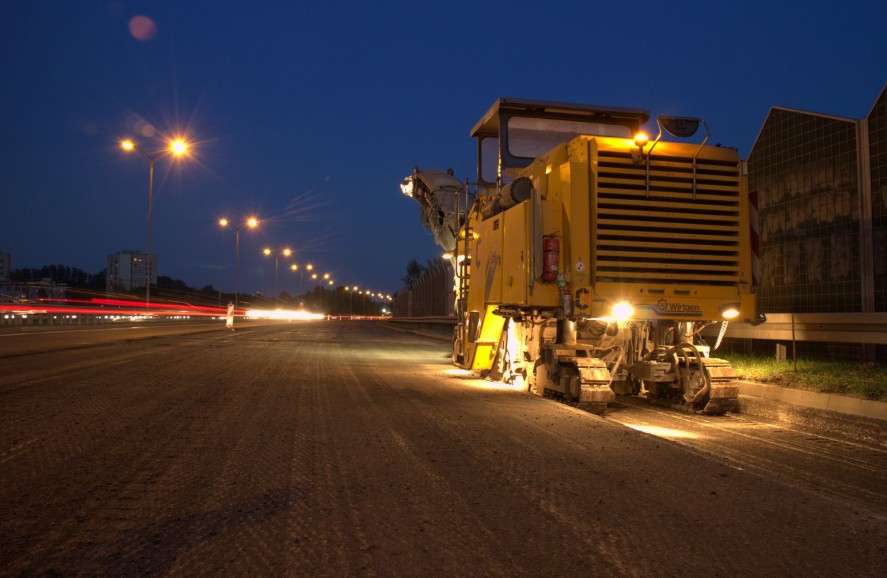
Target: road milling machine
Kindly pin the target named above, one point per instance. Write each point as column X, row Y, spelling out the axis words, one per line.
column 588, row 257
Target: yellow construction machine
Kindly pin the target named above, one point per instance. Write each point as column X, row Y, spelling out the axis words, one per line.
column 588, row 257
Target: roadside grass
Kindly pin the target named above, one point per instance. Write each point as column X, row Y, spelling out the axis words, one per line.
column 867, row 380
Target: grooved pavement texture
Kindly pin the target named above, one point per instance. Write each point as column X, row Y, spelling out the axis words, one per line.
column 340, row 449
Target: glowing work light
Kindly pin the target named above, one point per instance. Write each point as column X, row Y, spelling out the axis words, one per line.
column 623, row 311
column 730, row 311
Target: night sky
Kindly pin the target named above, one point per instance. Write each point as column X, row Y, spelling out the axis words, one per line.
column 309, row 115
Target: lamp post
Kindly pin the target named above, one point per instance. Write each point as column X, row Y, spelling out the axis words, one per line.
column 295, row 267
column 314, row 277
column 301, row 271
column 176, row 147
column 320, row 282
column 250, row 223
column 308, row 267
column 286, row 253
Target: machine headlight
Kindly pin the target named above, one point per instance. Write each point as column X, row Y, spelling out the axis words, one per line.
column 623, row 311
column 730, row 311
column 406, row 187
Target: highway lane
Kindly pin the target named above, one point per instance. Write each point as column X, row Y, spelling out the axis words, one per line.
column 821, row 464
column 345, row 449
column 25, row 339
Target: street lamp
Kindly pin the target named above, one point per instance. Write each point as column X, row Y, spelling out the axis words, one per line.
column 301, row 271
column 176, row 147
column 308, row 267
column 250, row 223
column 320, row 280
column 286, row 253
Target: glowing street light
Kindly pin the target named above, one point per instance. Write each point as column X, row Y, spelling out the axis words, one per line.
column 250, row 223
column 177, row 148
column 286, row 252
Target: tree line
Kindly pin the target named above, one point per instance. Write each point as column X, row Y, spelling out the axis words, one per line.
column 416, row 270
column 61, row 275
column 78, row 280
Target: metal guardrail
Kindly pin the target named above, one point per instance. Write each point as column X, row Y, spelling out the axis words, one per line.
column 860, row 328
column 430, row 320
column 32, row 319
column 50, row 320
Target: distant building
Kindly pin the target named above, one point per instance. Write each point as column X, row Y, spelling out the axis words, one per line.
column 33, row 291
column 126, row 271
column 822, row 187
column 7, row 293
column 5, row 267
column 27, row 291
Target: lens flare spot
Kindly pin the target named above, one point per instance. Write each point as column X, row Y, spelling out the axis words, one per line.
column 146, row 129
column 142, row 28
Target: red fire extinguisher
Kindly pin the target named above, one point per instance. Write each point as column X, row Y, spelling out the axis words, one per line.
column 551, row 247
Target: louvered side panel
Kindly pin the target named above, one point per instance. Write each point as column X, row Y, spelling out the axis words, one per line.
column 679, row 229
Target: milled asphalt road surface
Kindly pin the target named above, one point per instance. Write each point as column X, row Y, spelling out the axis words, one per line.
column 346, row 449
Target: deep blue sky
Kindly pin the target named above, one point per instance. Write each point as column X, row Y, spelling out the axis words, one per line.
column 309, row 114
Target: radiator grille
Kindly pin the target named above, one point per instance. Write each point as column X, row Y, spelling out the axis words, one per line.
column 675, row 232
